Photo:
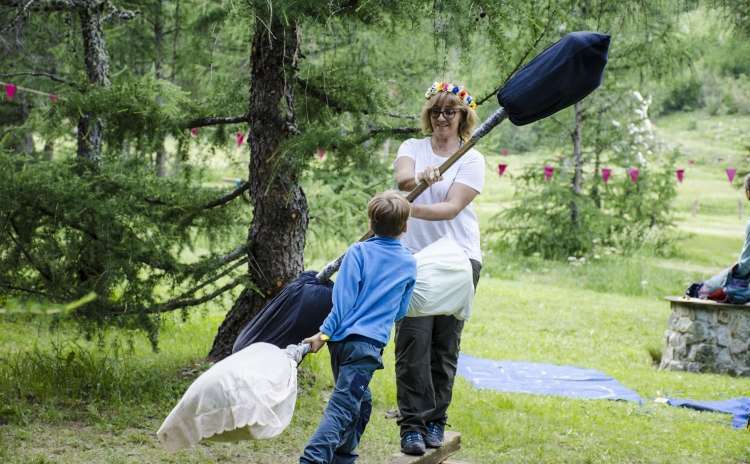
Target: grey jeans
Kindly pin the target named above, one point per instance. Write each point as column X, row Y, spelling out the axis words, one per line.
column 426, row 361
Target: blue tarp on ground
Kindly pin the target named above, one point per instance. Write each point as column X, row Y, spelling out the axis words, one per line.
column 542, row 379
column 738, row 407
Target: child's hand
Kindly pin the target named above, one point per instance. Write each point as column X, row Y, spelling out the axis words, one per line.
column 316, row 342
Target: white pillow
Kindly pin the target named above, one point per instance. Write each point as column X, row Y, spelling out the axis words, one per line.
column 445, row 284
column 250, row 394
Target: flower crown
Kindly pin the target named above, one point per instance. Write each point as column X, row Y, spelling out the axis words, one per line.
column 458, row 90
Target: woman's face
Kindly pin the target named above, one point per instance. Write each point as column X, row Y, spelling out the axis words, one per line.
column 445, row 120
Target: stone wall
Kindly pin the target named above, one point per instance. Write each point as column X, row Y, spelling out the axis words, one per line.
column 704, row 336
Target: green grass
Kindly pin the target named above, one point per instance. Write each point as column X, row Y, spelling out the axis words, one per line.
column 67, row 400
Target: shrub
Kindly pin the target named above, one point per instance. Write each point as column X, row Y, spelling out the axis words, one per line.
column 686, row 94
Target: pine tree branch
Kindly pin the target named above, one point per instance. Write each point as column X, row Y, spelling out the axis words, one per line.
column 117, row 13
column 525, row 55
column 70, row 224
column 600, row 111
column 28, row 290
column 339, row 107
column 42, row 271
column 184, row 301
column 215, row 120
column 561, row 125
column 156, row 264
column 374, row 132
column 213, row 279
column 228, row 197
column 171, row 305
column 322, row 96
column 21, row 7
column 40, row 5
column 43, row 74
column 197, row 269
column 234, row 254
column 187, row 302
column 401, row 116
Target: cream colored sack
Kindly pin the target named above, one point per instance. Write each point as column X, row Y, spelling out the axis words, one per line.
column 250, row 394
column 445, row 284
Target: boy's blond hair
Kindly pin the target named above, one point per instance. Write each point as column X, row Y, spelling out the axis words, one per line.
column 388, row 213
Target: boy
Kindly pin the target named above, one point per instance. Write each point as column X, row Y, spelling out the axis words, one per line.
column 371, row 292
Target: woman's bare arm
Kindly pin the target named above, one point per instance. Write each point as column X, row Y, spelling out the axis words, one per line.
column 459, row 197
column 404, row 173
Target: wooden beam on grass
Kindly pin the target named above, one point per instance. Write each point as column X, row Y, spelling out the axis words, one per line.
column 451, row 444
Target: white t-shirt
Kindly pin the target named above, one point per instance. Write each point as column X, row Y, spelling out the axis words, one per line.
column 464, row 228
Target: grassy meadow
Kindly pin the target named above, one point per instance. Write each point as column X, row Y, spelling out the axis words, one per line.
column 66, row 399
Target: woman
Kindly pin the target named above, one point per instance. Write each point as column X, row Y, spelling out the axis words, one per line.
column 427, row 347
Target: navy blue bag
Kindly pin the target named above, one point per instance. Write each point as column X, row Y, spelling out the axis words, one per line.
column 295, row 313
column 558, row 77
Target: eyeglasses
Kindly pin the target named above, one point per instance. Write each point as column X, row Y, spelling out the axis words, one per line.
column 448, row 113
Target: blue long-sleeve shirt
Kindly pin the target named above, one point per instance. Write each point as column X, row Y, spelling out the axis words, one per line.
column 372, row 290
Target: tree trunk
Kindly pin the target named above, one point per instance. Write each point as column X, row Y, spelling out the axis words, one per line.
column 97, row 70
column 175, row 39
column 277, row 233
column 161, row 156
column 577, row 163
column 595, row 188
column 90, row 127
column 49, row 149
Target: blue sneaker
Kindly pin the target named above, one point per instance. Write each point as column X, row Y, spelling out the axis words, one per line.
column 412, row 443
column 435, row 434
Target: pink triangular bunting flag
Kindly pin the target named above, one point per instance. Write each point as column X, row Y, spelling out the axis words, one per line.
column 501, row 169
column 634, row 173
column 731, row 172
column 548, row 172
column 10, row 91
column 680, row 173
column 240, row 136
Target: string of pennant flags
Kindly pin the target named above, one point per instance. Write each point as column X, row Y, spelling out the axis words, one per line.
column 606, row 173
column 549, row 171
column 11, row 90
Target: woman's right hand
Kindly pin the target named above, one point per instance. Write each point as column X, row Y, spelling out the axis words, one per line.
column 431, row 174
